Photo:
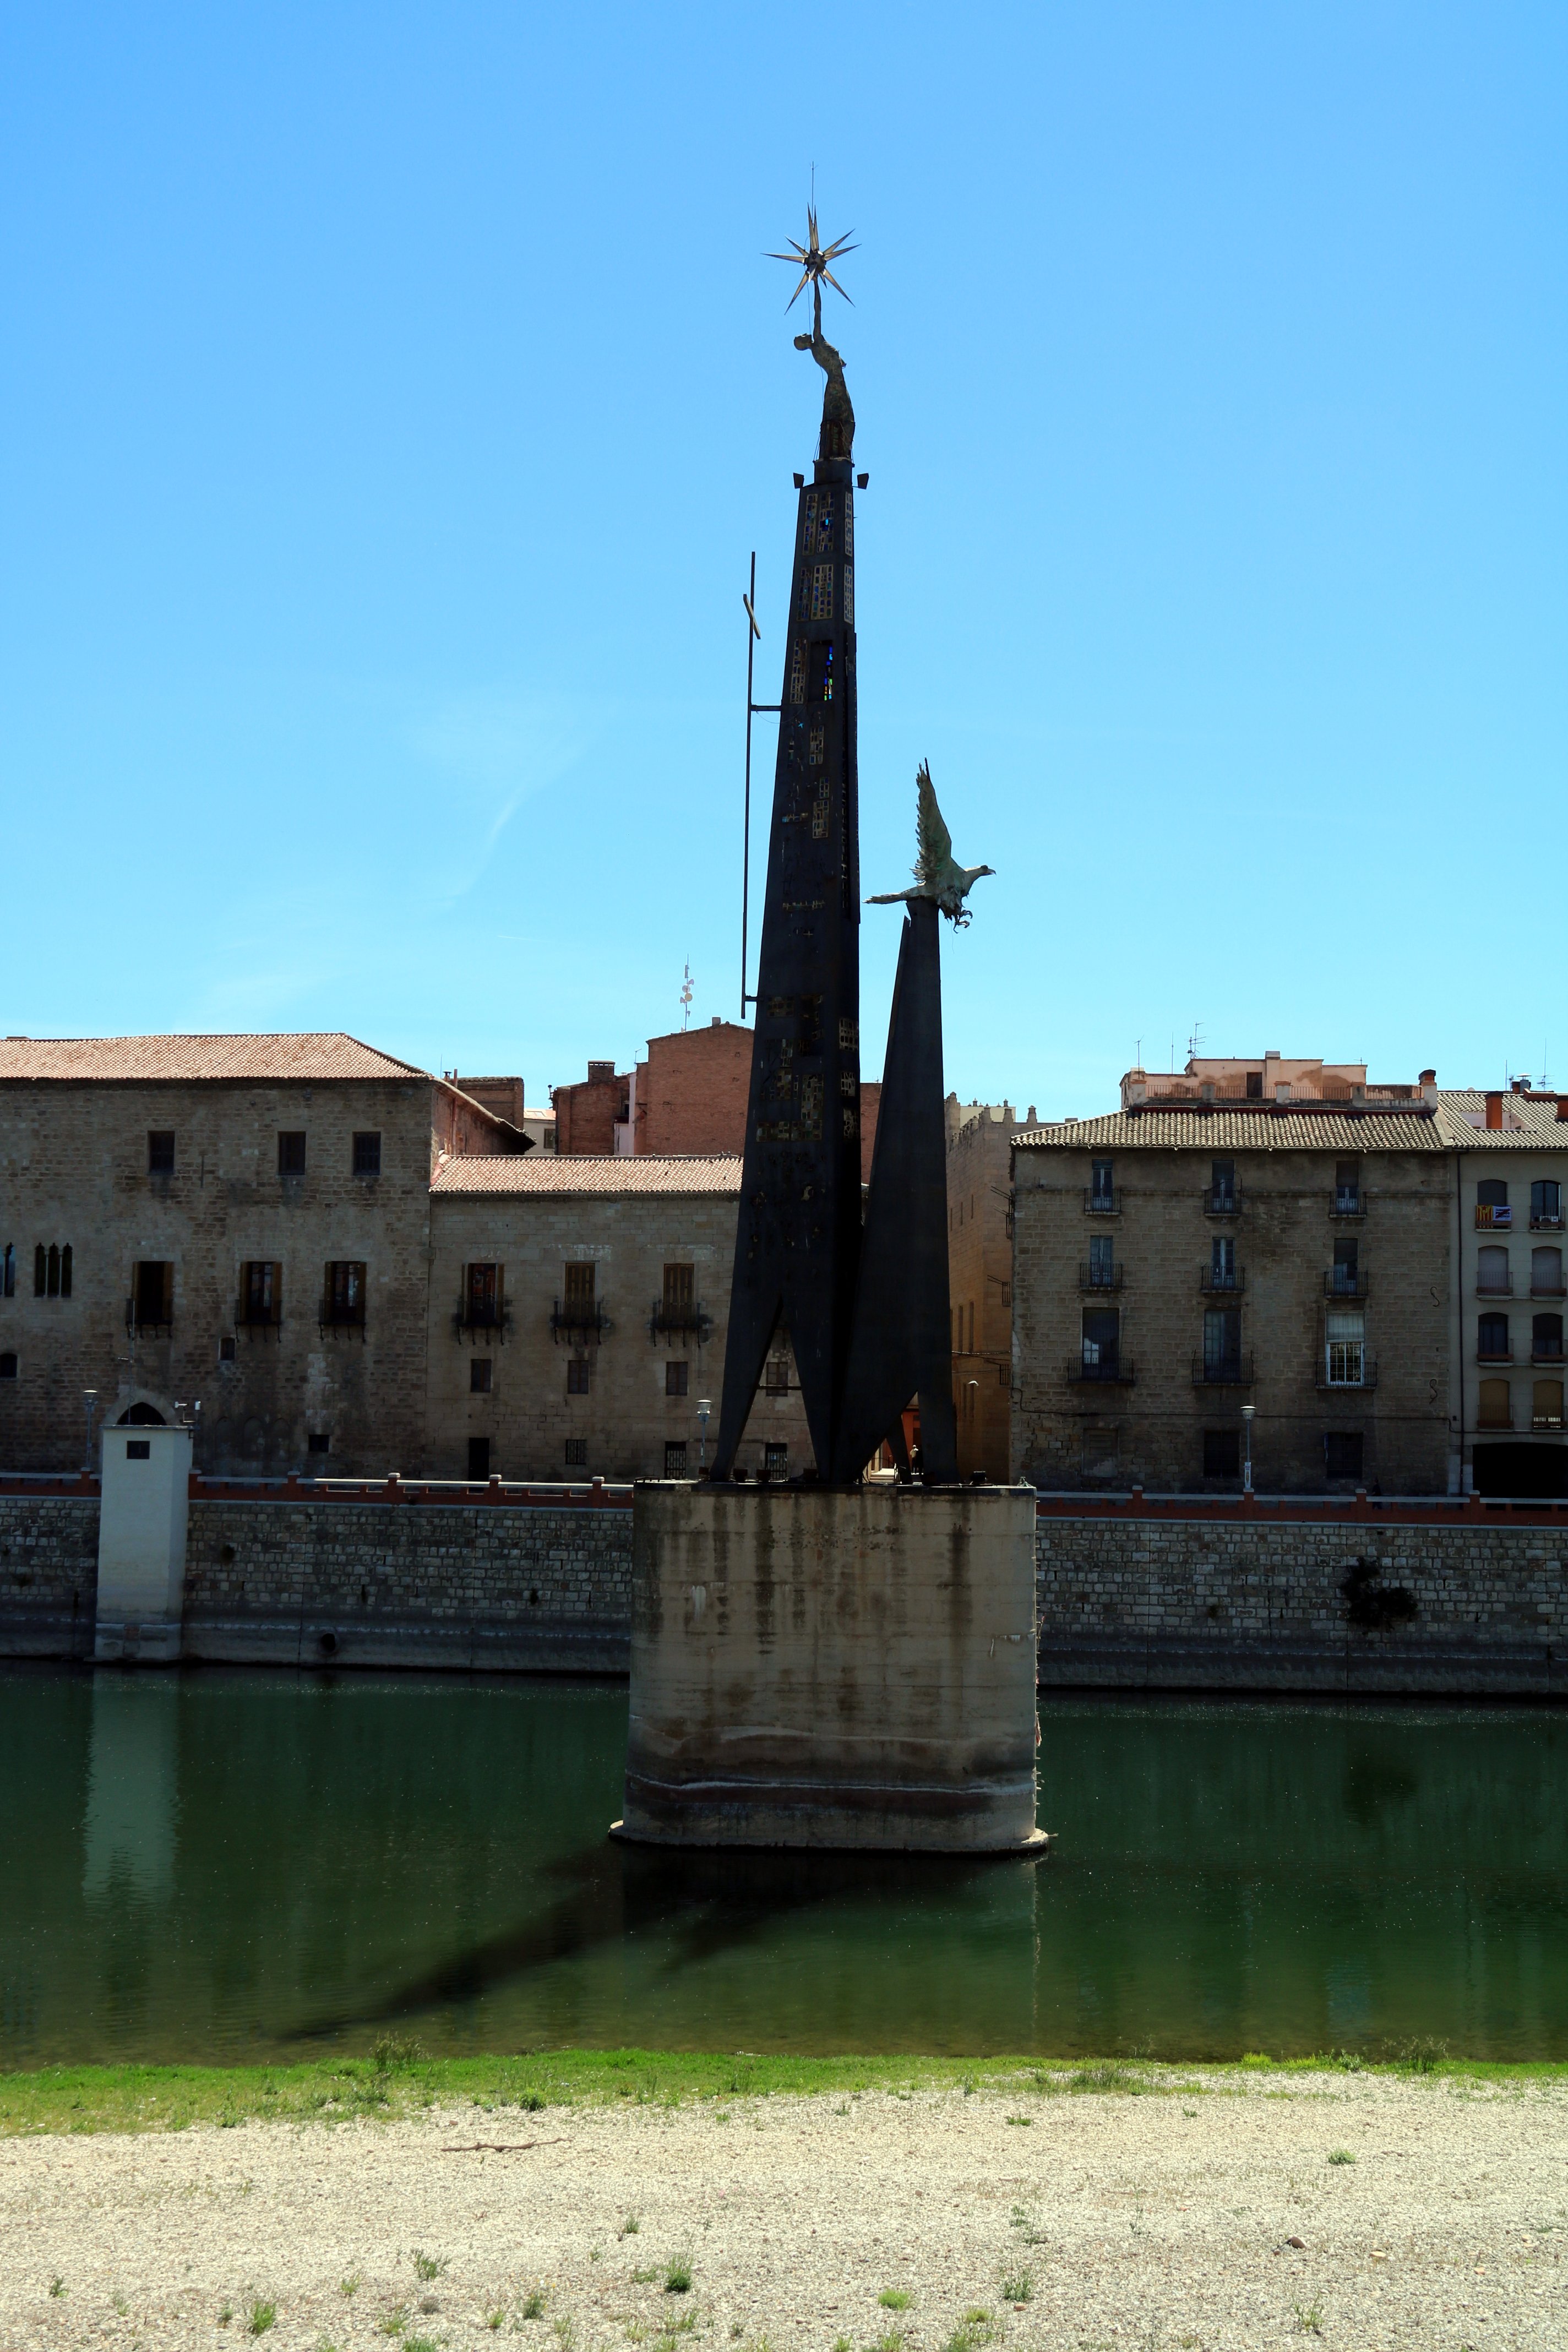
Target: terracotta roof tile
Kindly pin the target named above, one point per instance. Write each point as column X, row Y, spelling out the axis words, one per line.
column 1238, row 1130
column 1538, row 1129
column 324, row 1055
column 547, row 1172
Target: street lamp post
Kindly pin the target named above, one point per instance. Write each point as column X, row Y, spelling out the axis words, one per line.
column 704, row 1407
column 90, row 1405
column 1246, row 1412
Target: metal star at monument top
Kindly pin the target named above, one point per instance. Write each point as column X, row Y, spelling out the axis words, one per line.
column 812, row 259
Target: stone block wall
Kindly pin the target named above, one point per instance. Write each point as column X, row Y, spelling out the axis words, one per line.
column 49, row 1575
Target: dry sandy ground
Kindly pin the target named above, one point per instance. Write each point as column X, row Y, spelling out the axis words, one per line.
column 1157, row 2220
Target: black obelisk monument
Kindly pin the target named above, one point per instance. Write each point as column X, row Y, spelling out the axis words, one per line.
column 797, row 1244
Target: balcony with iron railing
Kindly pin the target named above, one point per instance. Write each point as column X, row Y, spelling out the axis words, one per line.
column 1548, row 1359
column 1493, row 1217
column 1545, row 1224
column 1494, row 1286
column 1494, row 1355
column 1098, row 1277
column 1222, row 1372
column 1349, row 1201
column 481, row 1314
column 1541, row 1287
column 1222, row 1280
column 1222, row 1200
column 682, row 1319
column 1103, row 1201
column 1117, row 1372
column 1344, row 1282
column 579, row 1319
column 1339, row 1371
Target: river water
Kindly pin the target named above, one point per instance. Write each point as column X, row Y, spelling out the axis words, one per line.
column 220, row 1865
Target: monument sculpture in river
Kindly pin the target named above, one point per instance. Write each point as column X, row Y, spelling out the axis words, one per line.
column 836, row 1660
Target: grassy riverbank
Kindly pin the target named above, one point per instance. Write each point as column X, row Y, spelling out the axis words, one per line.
column 400, row 2080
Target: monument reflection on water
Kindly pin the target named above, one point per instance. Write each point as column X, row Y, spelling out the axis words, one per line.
column 228, row 1866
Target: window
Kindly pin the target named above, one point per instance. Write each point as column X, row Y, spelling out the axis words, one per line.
column 481, row 1375
column 678, row 1288
column 481, row 1294
column 1492, row 1210
column 7, row 1366
column 226, row 1349
column 52, row 1271
column 1222, row 1262
column 1102, row 1184
column 1545, row 1272
column 260, row 1291
column 1546, row 1203
column 675, row 1458
column 1222, row 1454
column 1101, row 1343
column 822, row 591
column 1345, row 1350
column 1222, row 1343
column 1545, row 1336
column 578, row 1376
column 8, row 1272
column 1546, row 1405
column 577, row 1456
column 677, row 1378
column 152, row 1293
column 342, row 1292
column 319, row 1442
column 367, row 1155
column 775, row 1377
column 138, row 1449
column 1491, row 1271
column 292, row 1154
column 478, row 1458
column 1347, row 1268
column 1343, row 1453
column 1347, row 1188
column 1101, row 1261
column 577, row 1282
column 775, row 1460
column 1255, row 1086
column 1493, row 1411
column 1222, row 1183
column 1491, row 1338
column 160, row 1151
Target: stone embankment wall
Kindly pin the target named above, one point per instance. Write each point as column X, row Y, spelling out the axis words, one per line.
column 1126, row 1604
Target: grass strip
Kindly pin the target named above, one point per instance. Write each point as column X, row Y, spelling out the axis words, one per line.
column 399, row 2079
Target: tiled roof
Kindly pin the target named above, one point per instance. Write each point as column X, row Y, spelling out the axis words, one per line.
column 324, row 1055
column 550, row 1172
column 1538, row 1129
column 1239, row 1130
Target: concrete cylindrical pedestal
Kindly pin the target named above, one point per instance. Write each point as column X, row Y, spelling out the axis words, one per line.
column 833, row 1666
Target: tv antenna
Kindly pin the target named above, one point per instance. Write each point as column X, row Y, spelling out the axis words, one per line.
column 686, row 996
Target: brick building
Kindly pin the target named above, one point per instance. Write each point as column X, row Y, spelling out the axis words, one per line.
column 241, row 1220
column 980, row 1281
column 1510, row 1172
column 687, row 1100
column 1286, row 1244
column 579, row 1309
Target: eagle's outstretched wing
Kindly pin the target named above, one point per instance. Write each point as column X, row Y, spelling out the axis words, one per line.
column 934, row 839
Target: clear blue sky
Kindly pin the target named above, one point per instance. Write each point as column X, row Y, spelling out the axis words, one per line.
column 392, row 396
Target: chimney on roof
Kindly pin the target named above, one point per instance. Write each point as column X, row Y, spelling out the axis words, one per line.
column 1563, row 1106
column 718, row 1021
column 1429, row 1085
column 1032, row 1120
column 601, row 1073
column 1271, row 1053
column 1494, row 1109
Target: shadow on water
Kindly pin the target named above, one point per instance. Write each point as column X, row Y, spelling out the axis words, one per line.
column 621, row 1895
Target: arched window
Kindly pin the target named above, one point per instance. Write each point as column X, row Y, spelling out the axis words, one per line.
column 1491, row 1338
column 1546, row 1273
column 1493, row 1192
column 1546, row 1335
column 1494, row 1410
column 1491, row 1271
column 54, row 1270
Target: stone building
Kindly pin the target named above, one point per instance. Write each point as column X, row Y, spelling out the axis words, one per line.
column 578, row 1314
column 1511, row 1170
column 1280, row 1244
column 244, row 1221
column 980, row 1281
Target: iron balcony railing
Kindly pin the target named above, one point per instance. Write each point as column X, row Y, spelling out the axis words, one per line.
column 1361, row 1373
column 579, row 1318
column 1540, row 1423
column 1494, row 1286
column 1344, row 1282
column 1540, row 1289
column 1494, row 1355
column 1545, row 1224
column 1222, row 1372
column 1098, row 1277
column 1349, row 1201
column 1493, row 1217
column 1222, row 1200
column 689, row 1320
column 1228, row 1279
column 1103, row 1201
column 1117, row 1370
column 1548, row 1357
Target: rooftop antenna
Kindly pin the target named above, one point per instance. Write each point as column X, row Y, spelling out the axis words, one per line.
column 686, row 996
column 1194, row 1040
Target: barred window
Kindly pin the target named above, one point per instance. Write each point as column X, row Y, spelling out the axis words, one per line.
column 291, row 1152
column 367, row 1155
column 576, row 1453
column 675, row 1458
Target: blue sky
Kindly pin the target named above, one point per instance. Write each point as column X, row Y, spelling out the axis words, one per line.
column 393, row 396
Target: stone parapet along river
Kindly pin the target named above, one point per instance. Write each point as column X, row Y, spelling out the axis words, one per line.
column 1383, row 1600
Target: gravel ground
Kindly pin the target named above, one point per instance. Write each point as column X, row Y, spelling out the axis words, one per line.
column 1213, row 2220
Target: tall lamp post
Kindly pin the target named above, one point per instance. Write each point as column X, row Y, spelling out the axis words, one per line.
column 704, row 1407
column 1246, row 1412
column 90, row 1405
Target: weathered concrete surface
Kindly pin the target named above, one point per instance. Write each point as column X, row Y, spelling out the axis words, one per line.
column 142, row 1525
column 833, row 1666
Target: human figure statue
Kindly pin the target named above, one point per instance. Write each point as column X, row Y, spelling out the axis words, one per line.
column 838, row 412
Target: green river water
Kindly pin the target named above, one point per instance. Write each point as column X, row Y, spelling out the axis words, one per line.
column 233, row 1865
